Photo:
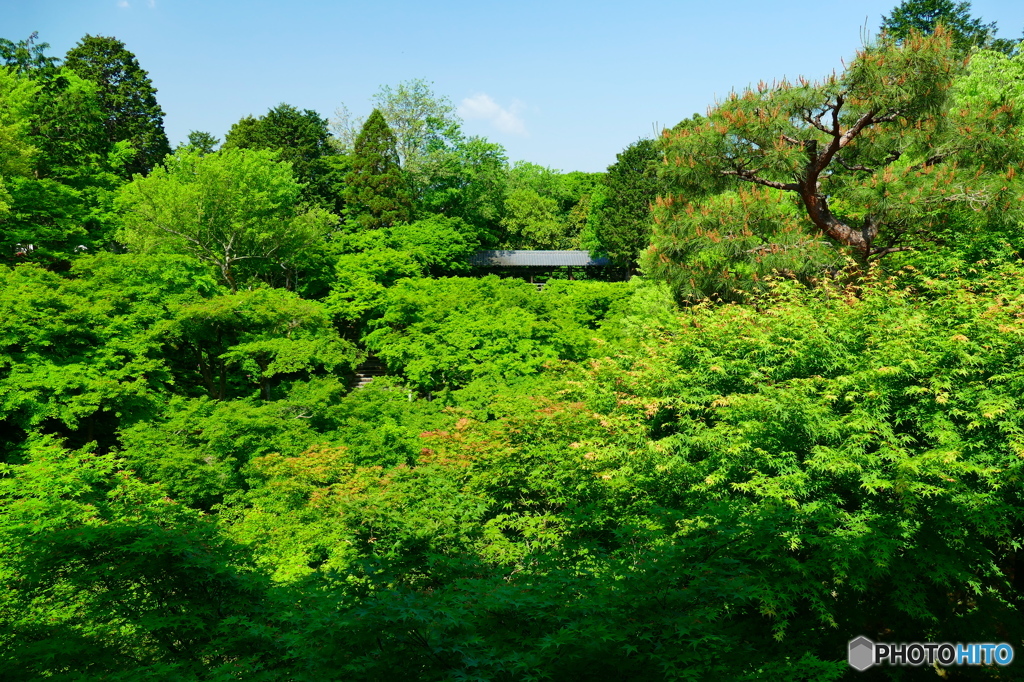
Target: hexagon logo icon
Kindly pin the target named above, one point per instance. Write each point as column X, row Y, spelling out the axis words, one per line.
column 862, row 653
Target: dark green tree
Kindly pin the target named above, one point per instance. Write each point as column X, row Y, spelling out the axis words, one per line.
column 68, row 126
column 27, row 55
column 202, row 141
column 81, row 351
column 300, row 138
column 65, row 121
column 128, row 99
column 531, row 221
column 622, row 218
column 924, row 15
column 376, row 192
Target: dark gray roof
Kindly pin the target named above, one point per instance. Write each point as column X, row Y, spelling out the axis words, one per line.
column 513, row 259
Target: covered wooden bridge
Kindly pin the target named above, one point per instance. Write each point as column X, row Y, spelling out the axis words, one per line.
column 537, row 267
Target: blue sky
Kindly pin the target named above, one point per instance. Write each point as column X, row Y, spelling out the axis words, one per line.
column 563, row 84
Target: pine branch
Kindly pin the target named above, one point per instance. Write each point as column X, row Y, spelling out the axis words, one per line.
column 854, row 166
column 751, row 176
column 780, row 248
column 815, row 121
column 878, row 253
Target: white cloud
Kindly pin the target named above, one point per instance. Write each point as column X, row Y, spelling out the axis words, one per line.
column 123, row 4
column 482, row 107
column 151, row 3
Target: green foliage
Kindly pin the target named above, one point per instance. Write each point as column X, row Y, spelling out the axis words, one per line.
column 823, row 466
column 622, row 216
column 737, row 241
column 16, row 97
column 80, row 355
column 237, row 209
column 489, row 327
column 27, row 55
column 328, row 515
column 105, row 577
column 45, row 220
column 545, row 209
column 127, row 97
column 463, row 178
column 447, row 172
column 440, row 245
column 301, row 138
column 882, row 429
column 419, row 120
column 16, row 151
column 195, row 448
column 585, row 482
column 58, row 168
column 732, row 494
column 876, row 158
column 258, row 338
column 376, row 193
column 202, row 141
column 993, row 80
column 363, row 278
column 531, row 221
column 68, row 128
column 373, row 261
column 924, row 16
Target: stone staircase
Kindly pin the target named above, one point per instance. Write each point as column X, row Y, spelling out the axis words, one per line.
column 366, row 372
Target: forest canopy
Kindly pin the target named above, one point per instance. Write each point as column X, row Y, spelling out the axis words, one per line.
column 263, row 416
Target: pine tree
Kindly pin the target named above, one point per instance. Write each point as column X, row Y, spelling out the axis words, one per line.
column 875, row 161
column 127, row 96
column 376, row 193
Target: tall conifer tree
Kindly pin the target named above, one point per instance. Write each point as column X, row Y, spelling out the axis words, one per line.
column 623, row 217
column 924, row 16
column 127, row 96
column 376, row 193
